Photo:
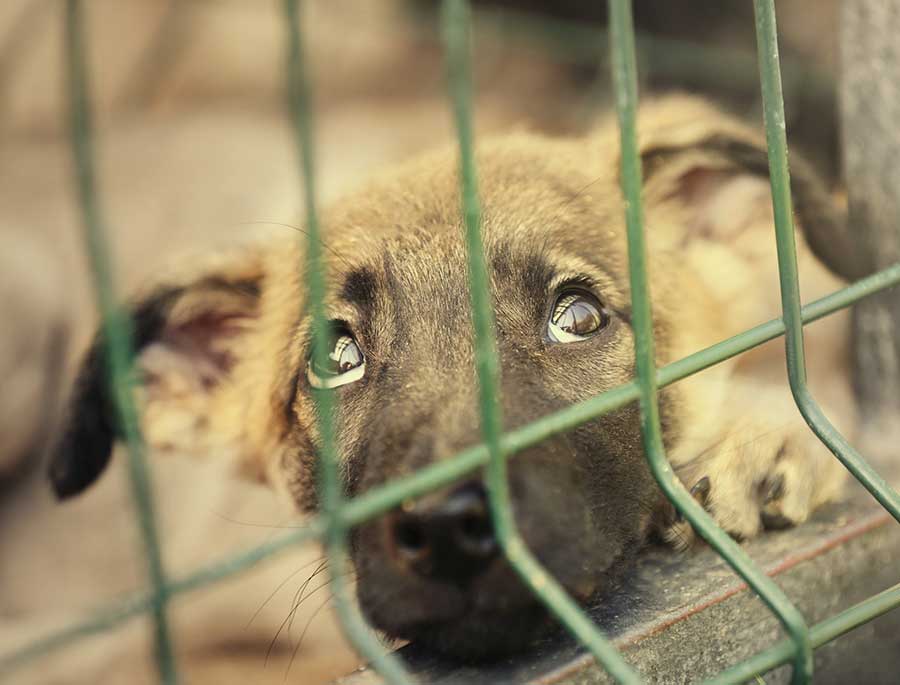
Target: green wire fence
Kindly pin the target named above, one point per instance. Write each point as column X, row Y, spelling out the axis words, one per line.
column 338, row 514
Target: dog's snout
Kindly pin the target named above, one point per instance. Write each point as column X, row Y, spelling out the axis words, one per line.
column 451, row 540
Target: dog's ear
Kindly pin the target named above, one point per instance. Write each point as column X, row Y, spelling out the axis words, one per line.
column 185, row 333
column 708, row 160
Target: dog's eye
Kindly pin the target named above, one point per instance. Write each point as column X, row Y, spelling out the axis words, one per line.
column 576, row 316
column 345, row 364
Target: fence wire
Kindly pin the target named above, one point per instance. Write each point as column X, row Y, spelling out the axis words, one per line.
column 115, row 327
column 330, row 487
column 338, row 515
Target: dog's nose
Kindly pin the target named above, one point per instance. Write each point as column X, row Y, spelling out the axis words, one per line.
column 452, row 540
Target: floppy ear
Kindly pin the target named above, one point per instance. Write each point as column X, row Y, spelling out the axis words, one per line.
column 186, row 336
column 695, row 152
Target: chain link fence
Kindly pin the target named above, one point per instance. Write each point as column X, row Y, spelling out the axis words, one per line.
column 338, row 515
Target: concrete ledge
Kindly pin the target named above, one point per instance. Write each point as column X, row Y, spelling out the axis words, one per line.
column 687, row 617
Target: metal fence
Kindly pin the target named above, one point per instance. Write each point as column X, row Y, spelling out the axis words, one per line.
column 338, row 515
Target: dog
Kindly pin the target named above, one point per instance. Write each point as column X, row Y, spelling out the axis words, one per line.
column 224, row 349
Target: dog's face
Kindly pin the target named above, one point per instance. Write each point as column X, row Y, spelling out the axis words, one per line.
column 402, row 368
column 402, row 365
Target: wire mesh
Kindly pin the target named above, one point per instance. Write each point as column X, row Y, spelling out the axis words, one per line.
column 330, row 488
column 338, row 514
column 776, row 138
column 625, row 85
column 455, row 24
column 115, row 328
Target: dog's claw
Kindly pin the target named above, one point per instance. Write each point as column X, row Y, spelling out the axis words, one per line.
column 773, row 521
column 774, row 489
column 771, row 515
column 700, row 492
column 771, row 485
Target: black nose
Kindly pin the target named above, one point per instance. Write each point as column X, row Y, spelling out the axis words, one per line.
column 451, row 540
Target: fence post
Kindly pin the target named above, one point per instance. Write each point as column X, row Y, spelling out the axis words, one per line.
column 870, row 109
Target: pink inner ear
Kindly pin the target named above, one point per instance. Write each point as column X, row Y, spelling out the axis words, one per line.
column 698, row 183
column 206, row 343
column 723, row 201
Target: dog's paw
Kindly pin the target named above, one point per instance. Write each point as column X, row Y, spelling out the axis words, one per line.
column 757, row 479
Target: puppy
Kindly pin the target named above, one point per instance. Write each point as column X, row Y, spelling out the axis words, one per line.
column 224, row 349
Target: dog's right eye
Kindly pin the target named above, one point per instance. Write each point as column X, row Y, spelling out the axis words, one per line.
column 345, row 364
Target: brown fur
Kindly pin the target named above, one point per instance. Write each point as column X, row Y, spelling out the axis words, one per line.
column 226, row 364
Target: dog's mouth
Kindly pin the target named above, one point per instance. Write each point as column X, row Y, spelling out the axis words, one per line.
column 481, row 636
column 493, row 617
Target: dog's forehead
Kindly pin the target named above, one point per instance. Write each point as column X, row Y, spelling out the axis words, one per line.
column 427, row 265
column 541, row 214
column 525, row 183
column 425, row 273
column 522, row 262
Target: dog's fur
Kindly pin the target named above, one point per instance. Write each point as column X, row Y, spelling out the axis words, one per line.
column 224, row 349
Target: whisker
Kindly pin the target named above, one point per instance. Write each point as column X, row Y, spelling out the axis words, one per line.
column 310, row 594
column 321, row 567
column 303, row 634
column 275, row 591
column 298, row 596
column 302, row 231
column 569, row 200
column 294, row 605
column 256, row 524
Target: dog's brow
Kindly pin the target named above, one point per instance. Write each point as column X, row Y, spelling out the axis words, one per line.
column 535, row 271
column 360, row 287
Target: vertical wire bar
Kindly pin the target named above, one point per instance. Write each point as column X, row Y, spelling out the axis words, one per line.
column 456, row 17
column 776, row 138
column 331, row 494
column 625, row 85
column 115, row 328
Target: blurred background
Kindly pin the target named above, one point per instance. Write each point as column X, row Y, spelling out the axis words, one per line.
column 193, row 151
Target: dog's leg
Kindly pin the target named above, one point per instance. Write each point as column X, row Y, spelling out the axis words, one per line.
column 765, row 470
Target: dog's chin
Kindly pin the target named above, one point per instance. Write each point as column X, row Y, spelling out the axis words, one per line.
column 480, row 637
column 497, row 617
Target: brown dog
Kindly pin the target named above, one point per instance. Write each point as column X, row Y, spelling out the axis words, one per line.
column 224, row 350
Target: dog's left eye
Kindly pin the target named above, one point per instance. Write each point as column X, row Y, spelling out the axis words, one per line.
column 345, row 364
column 576, row 316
